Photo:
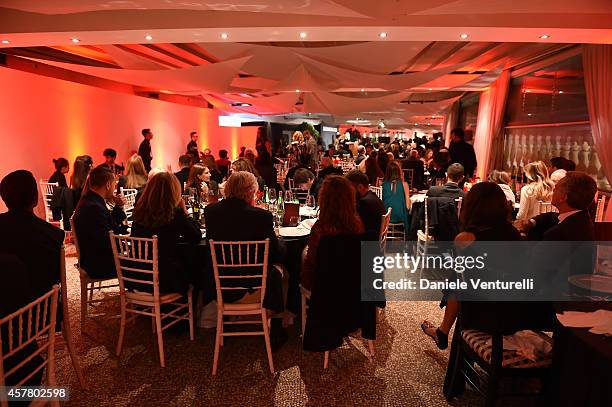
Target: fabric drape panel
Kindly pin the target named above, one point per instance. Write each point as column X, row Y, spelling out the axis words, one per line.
column 451, row 120
column 597, row 65
column 488, row 140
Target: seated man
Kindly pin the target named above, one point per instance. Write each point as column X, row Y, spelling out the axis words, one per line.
column 236, row 218
column 414, row 163
column 572, row 196
column 183, row 173
column 369, row 206
column 34, row 242
column 451, row 189
column 93, row 221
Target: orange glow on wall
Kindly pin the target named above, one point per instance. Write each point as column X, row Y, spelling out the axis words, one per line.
column 44, row 118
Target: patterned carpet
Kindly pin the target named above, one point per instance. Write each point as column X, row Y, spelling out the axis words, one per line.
column 408, row 370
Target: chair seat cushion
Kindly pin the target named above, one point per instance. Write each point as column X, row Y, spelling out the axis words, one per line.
column 235, row 306
column 146, row 297
column 480, row 342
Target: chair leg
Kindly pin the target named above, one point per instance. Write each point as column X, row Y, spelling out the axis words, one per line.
column 326, row 360
column 491, row 396
column 67, row 334
column 121, row 326
column 371, row 347
column 153, row 324
column 83, row 304
column 266, row 330
column 191, row 314
column 218, row 338
column 303, row 315
column 160, row 339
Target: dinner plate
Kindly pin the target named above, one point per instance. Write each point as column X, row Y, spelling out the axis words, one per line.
column 308, row 223
column 308, row 211
column 293, row 231
column 593, row 282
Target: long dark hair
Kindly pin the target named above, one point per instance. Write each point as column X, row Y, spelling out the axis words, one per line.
column 382, row 159
column 485, row 206
column 60, row 163
column 80, row 171
column 338, row 213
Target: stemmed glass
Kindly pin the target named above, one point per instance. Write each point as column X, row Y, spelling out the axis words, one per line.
column 272, row 196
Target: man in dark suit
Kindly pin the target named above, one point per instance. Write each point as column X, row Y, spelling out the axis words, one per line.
column 454, row 176
column 144, row 150
column 414, row 163
column 572, row 196
column 462, row 152
column 36, row 243
column 93, row 221
column 183, row 173
column 369, row 206
column 193, row 142
column 236, row 218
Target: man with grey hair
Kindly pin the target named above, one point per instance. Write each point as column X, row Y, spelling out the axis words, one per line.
column 454, row 176
column 236, row 218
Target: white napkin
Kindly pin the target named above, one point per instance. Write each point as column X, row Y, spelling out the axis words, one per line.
column 599, row 321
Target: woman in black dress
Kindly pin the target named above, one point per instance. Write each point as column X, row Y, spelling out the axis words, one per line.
column 485, row 216
column 161, row 212
column 62, row 166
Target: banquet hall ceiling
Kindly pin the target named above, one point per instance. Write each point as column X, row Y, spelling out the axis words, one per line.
column 302, row 56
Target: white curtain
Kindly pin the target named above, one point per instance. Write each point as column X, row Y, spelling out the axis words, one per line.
column 490, row 124
column 597, row 64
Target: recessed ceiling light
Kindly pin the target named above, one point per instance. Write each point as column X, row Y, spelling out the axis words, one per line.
column 303, row 35
column 560, row 91
column 529, row 114
column 464, row 36
column 428, row 124
column 224, row 36
column 297, row 91
column 416, row 124
column 528, row 91
column 148, row 37
column 383, row 35
column 430, row 89
column 246, row 104
column 362, row 89
column 76, row 40
column 544, row 36
column 5, row 41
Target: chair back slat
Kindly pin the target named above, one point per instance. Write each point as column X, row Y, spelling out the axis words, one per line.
column 46, row 190
column 130, row 200
column 248, row 255
column 599, row 211
column 377, row 191
column 136, row 261
column 384, row 229
column 545, row 207
column 16, row 330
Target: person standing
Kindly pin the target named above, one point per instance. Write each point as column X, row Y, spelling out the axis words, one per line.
column 193, row 143
column 461, row 152
column 311, row 148
column 144, row 151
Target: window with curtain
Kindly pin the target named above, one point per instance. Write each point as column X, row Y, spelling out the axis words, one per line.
column 547, row 116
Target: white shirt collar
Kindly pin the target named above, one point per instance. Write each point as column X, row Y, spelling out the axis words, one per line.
column 563, row 216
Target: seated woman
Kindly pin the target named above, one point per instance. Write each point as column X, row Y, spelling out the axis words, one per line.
column 370, row 167
column 215, row 174
column 396, row 194
column 62, row 166
column 502, row 178
column 485, row 216
column 161, row 212
column 135, row 174
column 539, row 188
column 200, row 179
column 338, row 215
column 243, row 164
column 81, row 168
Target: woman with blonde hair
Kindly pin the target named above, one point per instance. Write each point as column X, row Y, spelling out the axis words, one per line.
column 337, row 216
column 539, row 188
column 298, row 137
column 502, row 178
column 161, row 212
column 135, row 174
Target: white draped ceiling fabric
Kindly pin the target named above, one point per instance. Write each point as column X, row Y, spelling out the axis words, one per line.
column 489, row 125
column 597, row 63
